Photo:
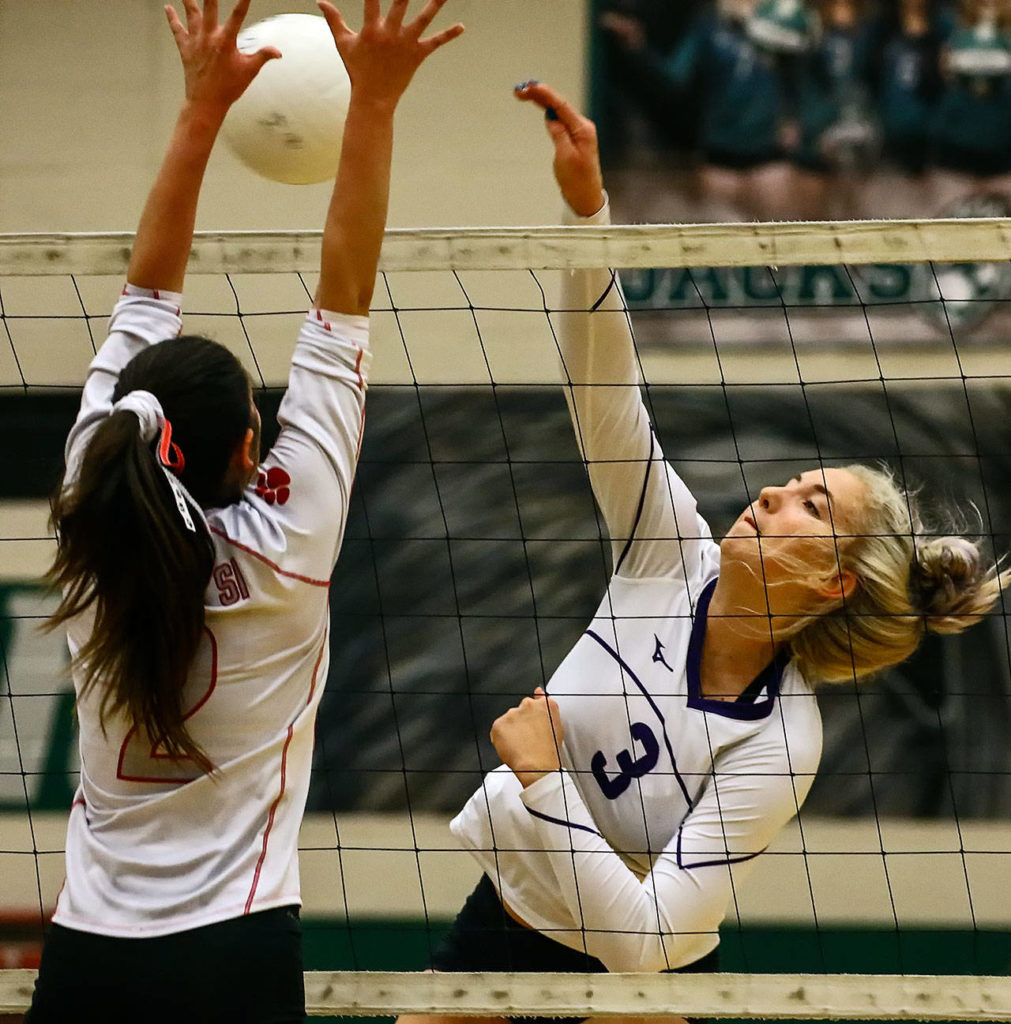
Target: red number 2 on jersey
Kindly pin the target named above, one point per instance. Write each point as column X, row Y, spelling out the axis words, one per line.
column 142, row 759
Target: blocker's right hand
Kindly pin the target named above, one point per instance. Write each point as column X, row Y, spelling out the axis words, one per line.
column 382, row 58
column 216, row 72
column 577, row 158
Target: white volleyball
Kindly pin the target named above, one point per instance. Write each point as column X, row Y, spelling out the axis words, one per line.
column 289, row 124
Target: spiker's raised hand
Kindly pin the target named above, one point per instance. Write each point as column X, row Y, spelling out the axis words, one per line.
column 577, row 158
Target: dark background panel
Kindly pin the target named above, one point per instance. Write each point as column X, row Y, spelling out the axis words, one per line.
column 463, row 582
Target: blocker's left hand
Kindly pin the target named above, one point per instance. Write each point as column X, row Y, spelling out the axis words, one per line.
column 529, row 736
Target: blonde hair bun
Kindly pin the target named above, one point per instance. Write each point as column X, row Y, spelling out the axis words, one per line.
column 947, row 578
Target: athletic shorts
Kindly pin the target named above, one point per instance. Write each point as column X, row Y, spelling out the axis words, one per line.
column 246, row 969
column 484, row 938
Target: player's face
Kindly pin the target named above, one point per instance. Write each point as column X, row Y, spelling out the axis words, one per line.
column 791, row 535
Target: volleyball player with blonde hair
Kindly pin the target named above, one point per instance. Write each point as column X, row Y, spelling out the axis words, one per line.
column 681, row 732
column 195, row 584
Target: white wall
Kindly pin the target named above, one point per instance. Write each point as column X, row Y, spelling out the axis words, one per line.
column 89, row 90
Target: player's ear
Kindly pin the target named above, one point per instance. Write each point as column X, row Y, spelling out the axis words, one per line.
column 243, row 459
column 841, row 585
column 244, row 452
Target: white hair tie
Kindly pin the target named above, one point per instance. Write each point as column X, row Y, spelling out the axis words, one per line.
column 147, row 409
column 153, row 424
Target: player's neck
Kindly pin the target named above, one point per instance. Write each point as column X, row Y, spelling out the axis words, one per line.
column 737, row 646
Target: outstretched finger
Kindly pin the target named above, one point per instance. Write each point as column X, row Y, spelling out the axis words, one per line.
column 373, row 12
column 237, row 17
column 211, row 13
column 177, row 27
column 432, row 43
column 193, row 15
column 333, row 18
column 550, row 100
column 395, row 15
column 426, row 16
column 268, row 53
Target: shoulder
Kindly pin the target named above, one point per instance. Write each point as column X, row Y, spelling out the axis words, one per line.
column 798, row 731
column 788, row 741
column 254, row 532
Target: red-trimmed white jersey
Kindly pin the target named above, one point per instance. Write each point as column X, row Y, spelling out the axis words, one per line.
column 153, row 845
column 635, row 850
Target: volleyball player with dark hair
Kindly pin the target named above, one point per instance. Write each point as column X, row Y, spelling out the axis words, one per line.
column 681, row 732
column 195, row 583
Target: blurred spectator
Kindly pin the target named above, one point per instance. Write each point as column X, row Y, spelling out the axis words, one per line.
column 633, row 106
column 744, row 84
column 972, row 149
column 839, row 135
column 907, row 81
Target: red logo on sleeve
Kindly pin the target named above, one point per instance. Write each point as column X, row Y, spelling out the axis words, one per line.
column 274, row 485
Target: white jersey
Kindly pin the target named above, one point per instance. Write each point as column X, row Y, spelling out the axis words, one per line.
column 153, row 845
column 633, row 852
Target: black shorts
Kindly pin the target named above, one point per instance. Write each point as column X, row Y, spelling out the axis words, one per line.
column 484, row 938
column 246, row 969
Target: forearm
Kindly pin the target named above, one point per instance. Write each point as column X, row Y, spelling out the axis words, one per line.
column 356, row 219
column 165, row 234
column 630, row 923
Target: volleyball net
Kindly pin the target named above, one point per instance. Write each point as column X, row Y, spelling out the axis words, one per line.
column 474, row 557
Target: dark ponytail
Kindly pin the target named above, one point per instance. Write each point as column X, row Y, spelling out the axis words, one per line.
column 124, row 550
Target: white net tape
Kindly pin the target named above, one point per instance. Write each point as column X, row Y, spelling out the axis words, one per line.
column 545, row 248
column 786, row 996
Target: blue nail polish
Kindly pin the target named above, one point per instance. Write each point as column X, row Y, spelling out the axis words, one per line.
column 551, row 114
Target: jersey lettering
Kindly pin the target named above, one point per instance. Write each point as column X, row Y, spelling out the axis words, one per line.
column 230, row 582
column 612, row 788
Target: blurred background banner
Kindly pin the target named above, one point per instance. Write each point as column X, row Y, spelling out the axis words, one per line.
column 474, row 558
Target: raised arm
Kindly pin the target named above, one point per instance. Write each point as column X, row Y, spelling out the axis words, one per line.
column 380, row 60
column 216, row 75
column 651, row 518
column 323, row 411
